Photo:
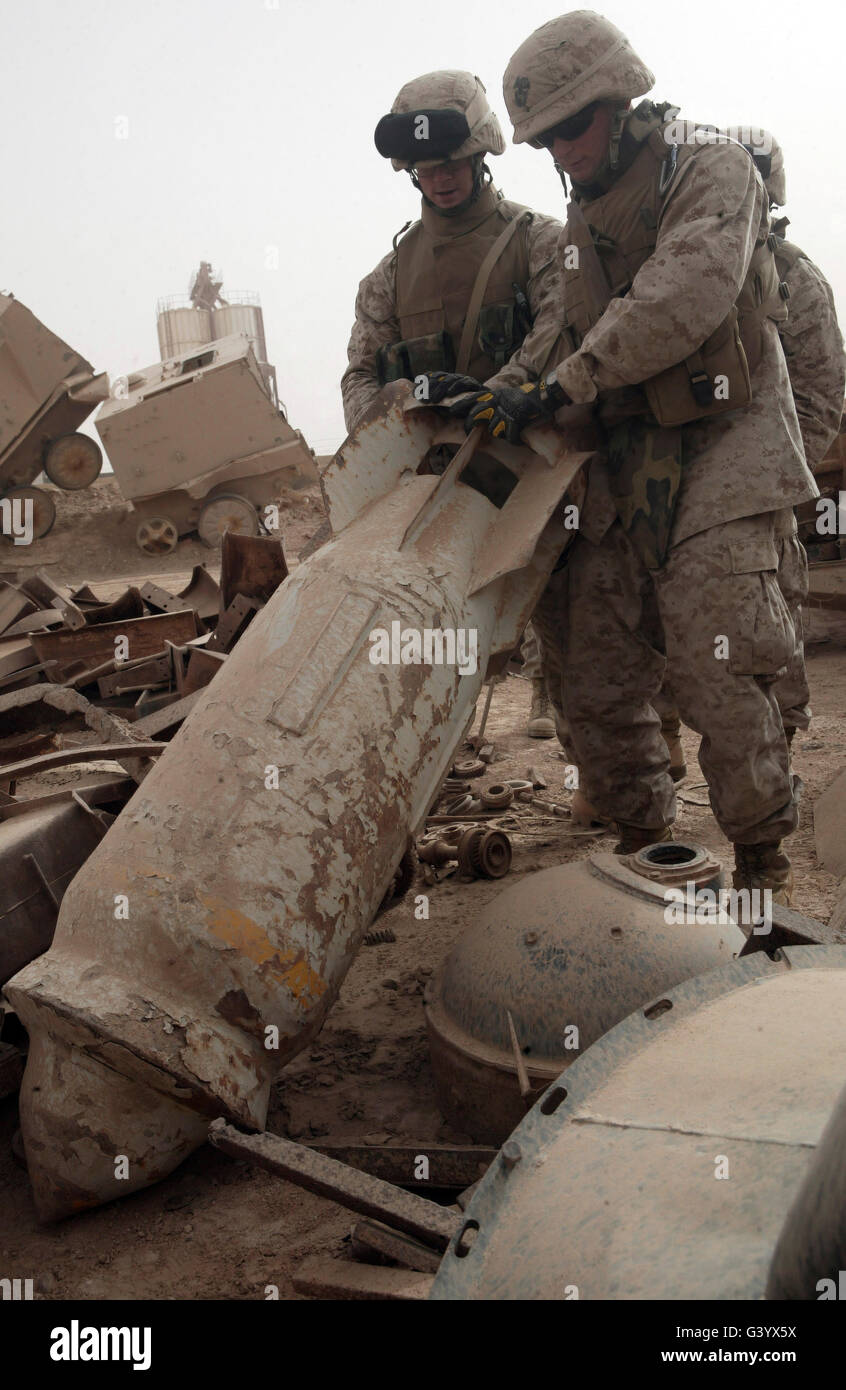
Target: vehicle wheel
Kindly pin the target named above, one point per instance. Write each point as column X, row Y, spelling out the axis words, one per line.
column 226, row 512
column 156, row 536
column 43, row 508
column 73, row 461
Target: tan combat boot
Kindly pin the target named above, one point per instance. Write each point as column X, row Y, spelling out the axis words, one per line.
column 671, row 732
column 635, row 837
column 764, row 866
column 541, row 723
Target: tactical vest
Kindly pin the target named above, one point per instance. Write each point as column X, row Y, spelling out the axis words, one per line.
column 437, row 265
column 617, row 232
column 787, row 253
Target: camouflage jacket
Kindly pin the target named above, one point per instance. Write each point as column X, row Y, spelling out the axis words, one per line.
column 813, row 346
column 737, row 464
column 377, row 323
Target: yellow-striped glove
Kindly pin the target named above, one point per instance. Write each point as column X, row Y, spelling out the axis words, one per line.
column 507, row 410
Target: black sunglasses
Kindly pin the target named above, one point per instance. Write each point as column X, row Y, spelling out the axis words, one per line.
column 572, row 128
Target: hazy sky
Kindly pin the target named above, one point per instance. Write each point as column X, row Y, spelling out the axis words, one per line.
column 139, row 139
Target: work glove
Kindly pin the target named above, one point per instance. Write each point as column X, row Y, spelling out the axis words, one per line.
column 507, row 410
column 443, row 384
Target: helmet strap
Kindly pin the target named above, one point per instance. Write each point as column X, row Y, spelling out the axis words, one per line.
column 617, row 127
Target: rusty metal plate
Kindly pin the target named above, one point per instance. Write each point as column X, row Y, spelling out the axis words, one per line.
column 250, row 565
column 612, row 1184
column 161, row 600
column 17, row 656
column 376, row 1244
column 202, row 668
column 202, row 593
column 90, row 646
column 64, row 757
column 233, row 622
column 129, row 604
column 41, row 849
column 14, row 606
column 167, row 718
column 136, row 675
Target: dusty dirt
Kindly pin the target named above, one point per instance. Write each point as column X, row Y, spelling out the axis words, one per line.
column 217, row 1229
column 93, row 537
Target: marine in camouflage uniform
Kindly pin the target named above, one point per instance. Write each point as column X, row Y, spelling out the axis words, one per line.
column 813, row 347
column 673, row 309
column 411, row 311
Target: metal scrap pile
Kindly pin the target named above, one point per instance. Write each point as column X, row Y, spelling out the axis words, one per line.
column 86, row 682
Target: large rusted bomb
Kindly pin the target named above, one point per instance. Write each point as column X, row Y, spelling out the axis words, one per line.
column 202, row 944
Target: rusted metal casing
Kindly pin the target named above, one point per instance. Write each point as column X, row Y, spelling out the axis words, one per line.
column 662, row 1164
column 46, row 390
column 207, row 936
column 550, row 965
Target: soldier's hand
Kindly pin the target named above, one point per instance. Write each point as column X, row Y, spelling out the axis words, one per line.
column 507, row 410
column 443, row 384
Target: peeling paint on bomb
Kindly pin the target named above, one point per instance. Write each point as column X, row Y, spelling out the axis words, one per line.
column 362, row 762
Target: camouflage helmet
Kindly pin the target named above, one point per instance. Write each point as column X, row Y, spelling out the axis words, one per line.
column 469, row 126
column 564, row 66
column 774, row 181
column 767, row 154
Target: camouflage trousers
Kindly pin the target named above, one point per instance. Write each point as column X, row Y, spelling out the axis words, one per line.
column 791, row 690
column 714, row 617
column 530, row 652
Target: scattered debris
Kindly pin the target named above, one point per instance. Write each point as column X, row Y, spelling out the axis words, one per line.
column 402, row 1211
column 380, row 936
column 373, row 1243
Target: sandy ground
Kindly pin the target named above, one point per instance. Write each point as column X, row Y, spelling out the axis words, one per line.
column 217, row 1229
column 93, row 538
